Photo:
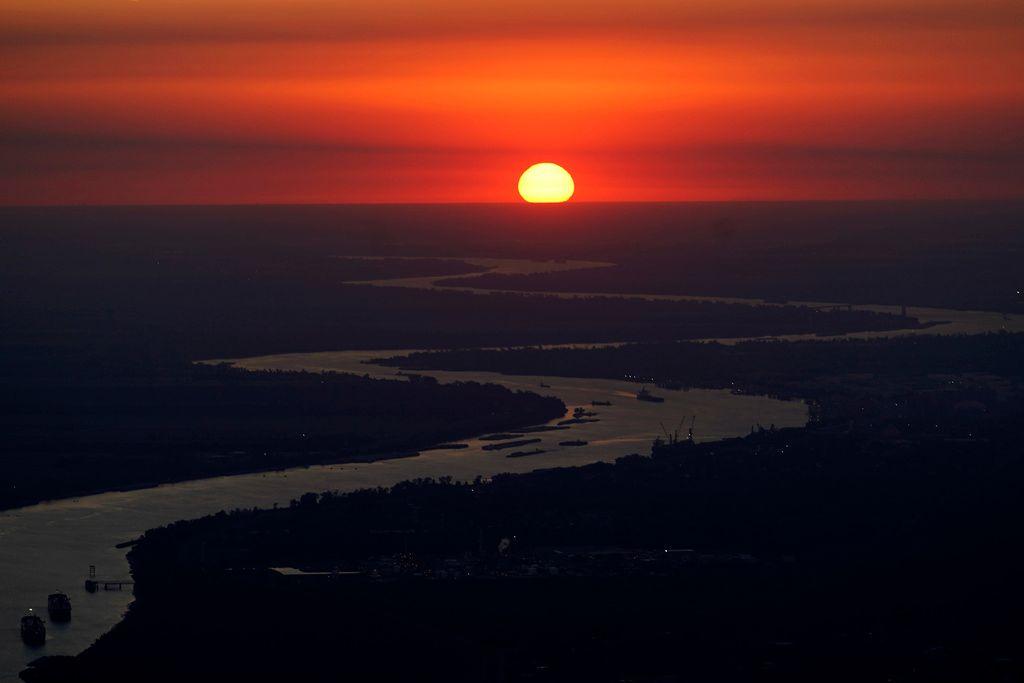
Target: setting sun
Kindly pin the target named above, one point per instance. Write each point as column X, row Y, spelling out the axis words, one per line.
column 546, row 183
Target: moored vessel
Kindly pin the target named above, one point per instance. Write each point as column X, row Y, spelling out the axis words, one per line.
column 644, row 395
column 523, row 454
column 59, row 606
column 33, row 629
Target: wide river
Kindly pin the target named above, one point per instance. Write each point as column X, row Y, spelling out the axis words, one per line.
column 51, row 545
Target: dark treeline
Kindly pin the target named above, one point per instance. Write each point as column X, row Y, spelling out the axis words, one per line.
column 100, row 325
column 720, row 365
column 207, row 279
column 814, row 555
column 222, row 305
column 968, row 258
column 835, row 373
column 945, row 254
column 600, row 231
column 71, row 432
column 102, row 322
column 978, row 278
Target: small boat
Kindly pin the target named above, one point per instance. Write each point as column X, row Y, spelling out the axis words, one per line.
column 509, row 444
column 33, row 630
column 600, row 403
column 542, row 428
column 545, row 386
column 578, row 421
column 500, row 436
column 446, row 447
column 644, row 395
column 524, row 454
column 577, row 442
column 59, row 606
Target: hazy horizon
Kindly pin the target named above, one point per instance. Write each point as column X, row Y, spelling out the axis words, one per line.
column 519, row 203
column 408, row 101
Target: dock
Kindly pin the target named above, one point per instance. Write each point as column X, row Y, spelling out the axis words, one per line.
column 94, row 584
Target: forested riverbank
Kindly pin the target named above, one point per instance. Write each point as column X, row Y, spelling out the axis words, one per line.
column 835, row 553
column 81, row 430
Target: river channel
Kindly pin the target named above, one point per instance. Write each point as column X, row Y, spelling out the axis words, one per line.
column 51, row 546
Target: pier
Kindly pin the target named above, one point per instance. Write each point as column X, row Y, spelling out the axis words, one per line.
column 94, row 584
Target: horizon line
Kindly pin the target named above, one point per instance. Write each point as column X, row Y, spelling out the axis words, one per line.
column 838, row 200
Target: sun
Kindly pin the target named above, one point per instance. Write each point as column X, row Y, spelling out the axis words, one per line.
column 546, row 183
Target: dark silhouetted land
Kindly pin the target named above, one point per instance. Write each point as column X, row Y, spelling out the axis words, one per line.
column 76, row 430
column 948, row 254
column 878, row 550
column 104, row 310
column 835, row 375
column 878, row 543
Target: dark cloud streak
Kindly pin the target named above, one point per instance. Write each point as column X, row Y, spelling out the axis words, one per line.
column 317, row 21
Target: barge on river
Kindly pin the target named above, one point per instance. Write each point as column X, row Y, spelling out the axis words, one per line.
column 33, row 630
column 59, row 606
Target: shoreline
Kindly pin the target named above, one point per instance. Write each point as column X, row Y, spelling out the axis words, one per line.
column 350, row 460
column 208, row 492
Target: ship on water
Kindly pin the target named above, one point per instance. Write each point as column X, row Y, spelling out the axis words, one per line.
column 33, row 629
column 644, row 395
column 59, row 606
column 523, row 454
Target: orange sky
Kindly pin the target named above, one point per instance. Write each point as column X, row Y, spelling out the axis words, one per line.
column 232, row 101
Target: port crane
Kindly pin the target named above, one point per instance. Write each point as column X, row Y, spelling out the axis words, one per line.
column 673, row 437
